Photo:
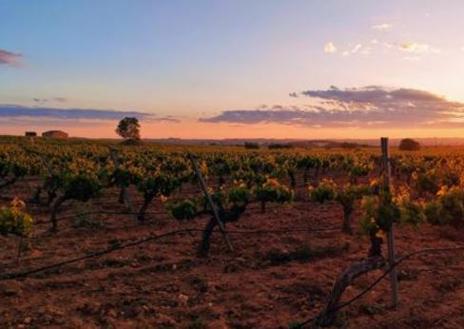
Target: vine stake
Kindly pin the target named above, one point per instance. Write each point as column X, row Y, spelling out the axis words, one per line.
column 390, row 233
column 204, row 188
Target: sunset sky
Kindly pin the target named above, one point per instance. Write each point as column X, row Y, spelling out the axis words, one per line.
column 234, row 69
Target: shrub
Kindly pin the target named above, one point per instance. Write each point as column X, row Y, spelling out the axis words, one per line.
column 378, row 213
column 409, row 144
column 251, row 146
column 279, row 146
column 347, row 197
column 183, row 210
column 81, row 187
column 448, row 208
column 14, row 220
column 426, row 182
column 358, row 170
column 325, row 191
column 411, row 212
column 272, row 191
column 239, row 195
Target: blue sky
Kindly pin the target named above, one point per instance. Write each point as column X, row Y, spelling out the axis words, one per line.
column 198, row 59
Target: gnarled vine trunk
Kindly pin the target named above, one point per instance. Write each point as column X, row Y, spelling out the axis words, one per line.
column 36, row 196
column 143, row 208
column 305, row 176
column 328, row 315
column 125, row 199
column 347, row 229
column 205, row 241
column 51, row 196
column 121, row 198
column 374, row 261
column 56, row 206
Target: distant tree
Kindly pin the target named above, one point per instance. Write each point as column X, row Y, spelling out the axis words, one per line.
column 409, row 144
column 276, row 146
column 129, row 129
column 251, row 145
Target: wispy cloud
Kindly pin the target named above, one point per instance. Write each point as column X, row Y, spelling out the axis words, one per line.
column 407, row 50
column 382, row 27
column 168, row 118
column 356, row 48
column 329, row 48
column 9, row 58
column 368, row 107
column 47, row 100
column 417, row 48
column 16, row 111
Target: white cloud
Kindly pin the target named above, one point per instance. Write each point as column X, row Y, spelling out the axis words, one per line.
column 329, row 48
column 382, row 27
column 413, row 47
column 409, row 50
column 417, row 48
column 356, row 48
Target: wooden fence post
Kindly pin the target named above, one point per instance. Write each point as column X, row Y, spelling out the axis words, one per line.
column 204, row 188
column 390, row 232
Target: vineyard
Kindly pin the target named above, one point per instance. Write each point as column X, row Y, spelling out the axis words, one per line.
column 96, row 234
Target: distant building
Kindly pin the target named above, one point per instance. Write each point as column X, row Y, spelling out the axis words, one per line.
column 55, row 134
column 30, row 134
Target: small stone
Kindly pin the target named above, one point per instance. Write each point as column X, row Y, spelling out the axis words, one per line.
column 183, row 298
column 112, row 313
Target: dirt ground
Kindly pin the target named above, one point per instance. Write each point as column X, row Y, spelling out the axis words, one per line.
column 269, row 281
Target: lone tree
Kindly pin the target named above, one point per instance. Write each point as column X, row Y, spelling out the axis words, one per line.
column 409, row 144
column 129, row 129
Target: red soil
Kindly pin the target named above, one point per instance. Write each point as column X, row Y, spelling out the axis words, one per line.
column 163, row 284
